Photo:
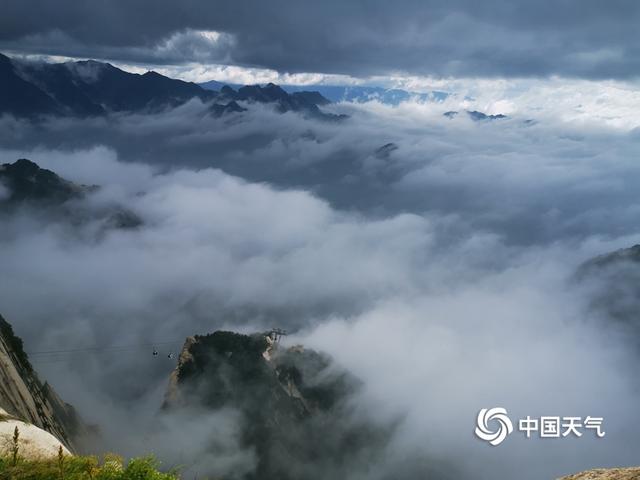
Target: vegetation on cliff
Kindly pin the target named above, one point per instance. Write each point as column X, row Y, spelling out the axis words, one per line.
column 83, row 468
column 15, row 344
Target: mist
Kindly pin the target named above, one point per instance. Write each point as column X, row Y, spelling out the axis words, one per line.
column 440, row 273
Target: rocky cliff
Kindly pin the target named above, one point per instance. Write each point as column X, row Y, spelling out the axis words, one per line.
column 25, row 398
column 293, row 401
column 33, row 442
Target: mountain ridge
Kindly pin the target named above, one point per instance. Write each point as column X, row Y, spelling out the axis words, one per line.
column 90, row 88
column 348, row 93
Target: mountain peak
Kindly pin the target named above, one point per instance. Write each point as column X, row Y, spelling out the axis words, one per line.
column 26, row 181
column 292, row 400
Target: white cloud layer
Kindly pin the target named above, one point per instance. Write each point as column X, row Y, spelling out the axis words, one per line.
column 440, row 273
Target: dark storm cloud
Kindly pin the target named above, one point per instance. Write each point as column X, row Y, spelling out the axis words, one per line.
column 467, row 38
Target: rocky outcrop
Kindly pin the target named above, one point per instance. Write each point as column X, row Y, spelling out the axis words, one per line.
column 293, row 403
column 24, row 397
column 606, row 474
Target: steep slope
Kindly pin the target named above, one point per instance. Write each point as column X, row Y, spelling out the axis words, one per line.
column 294, row 404
column 118, row 90
column 62, row 85
column 94, row 88
column 25, row 397
column 19, row 97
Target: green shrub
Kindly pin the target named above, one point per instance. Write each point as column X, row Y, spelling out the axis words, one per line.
column 83, row 468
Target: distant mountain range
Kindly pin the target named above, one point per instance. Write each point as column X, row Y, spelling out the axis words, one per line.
column 90, row 88
column 350, row 93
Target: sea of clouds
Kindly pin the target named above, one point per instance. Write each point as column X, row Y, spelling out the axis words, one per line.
column 440, row 272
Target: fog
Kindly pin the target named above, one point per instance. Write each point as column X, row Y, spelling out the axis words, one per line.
column 440, row 273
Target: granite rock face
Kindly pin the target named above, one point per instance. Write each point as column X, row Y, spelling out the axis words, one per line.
column 23, row 397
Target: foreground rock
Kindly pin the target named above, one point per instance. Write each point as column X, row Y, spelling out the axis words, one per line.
column 33, row 443
column 606, row 474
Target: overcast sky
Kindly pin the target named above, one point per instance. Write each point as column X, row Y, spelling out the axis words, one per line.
column 495, row 38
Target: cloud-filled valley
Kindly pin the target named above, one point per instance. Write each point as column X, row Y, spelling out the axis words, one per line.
column 439, row 270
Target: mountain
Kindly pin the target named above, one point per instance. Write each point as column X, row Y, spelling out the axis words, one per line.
column 340, row 93
column 621, row 257
column 294, row 403
column 475, row 115
column 216, row 86
column 20, row 97
column 304, row 102
column 313, row 97
column 386, row 150
column 614, row 288
column 220, row 109
column 90, row 88
column 479, row 116
column 24, row 183
column 361, row 94
column 23, row 397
